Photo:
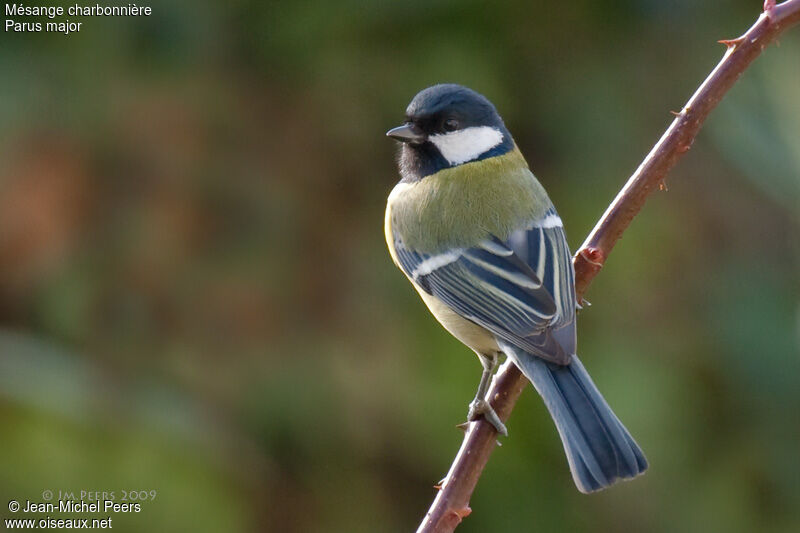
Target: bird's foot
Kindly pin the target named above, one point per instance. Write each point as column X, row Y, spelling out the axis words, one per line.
column 480, row 407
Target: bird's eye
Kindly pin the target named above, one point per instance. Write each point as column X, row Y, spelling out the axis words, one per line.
column 450, row 124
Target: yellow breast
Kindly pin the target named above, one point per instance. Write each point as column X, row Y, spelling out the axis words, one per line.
column 474, row 336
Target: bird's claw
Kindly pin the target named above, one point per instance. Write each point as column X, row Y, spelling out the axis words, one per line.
column 480, row 407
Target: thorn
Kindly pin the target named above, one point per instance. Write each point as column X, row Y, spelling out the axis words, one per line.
column 463, row 426
column 675, row 113
column 460, row 514
column 662, row 186
column 499, row 443
column 731, row 43
column 593, row 256
column 440, row 484
column 685, row 148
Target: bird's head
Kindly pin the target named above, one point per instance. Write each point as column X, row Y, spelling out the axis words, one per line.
column 448, row 125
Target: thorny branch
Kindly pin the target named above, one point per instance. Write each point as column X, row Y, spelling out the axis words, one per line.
column 452, row 502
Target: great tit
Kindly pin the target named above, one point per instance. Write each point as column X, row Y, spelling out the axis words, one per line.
column 479, row 239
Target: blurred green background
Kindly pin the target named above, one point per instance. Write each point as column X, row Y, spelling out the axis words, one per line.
column 195, row 296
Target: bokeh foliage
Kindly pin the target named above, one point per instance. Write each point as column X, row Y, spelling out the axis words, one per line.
column 195, row 296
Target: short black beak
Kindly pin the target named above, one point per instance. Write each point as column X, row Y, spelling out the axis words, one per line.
column 407, row 133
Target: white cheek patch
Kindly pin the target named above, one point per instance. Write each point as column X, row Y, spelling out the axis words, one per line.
column 467, row 144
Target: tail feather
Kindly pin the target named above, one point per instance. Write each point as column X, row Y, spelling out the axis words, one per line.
column 599, row 449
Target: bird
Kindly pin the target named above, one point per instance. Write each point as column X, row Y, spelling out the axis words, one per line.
column 478, row 237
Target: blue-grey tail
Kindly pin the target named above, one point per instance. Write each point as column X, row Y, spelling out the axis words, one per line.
column 599, row 449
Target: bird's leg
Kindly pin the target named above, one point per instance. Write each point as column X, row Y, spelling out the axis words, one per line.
column 479, row 406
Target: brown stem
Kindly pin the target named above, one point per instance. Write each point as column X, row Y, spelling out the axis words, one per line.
column 452, row 502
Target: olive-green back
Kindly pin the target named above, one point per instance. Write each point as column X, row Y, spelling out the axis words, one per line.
column 461, row 206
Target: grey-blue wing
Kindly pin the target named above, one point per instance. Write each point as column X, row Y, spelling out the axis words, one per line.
column 543, row 246
column 511, row 294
